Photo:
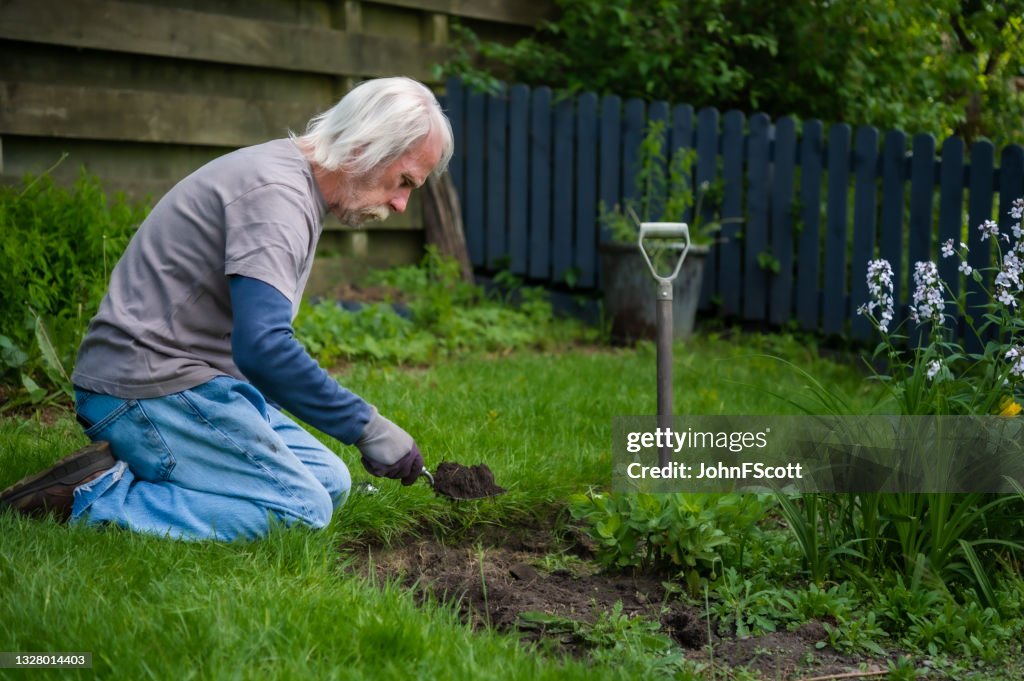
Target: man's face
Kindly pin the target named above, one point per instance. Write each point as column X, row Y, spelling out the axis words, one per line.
column 374, row 196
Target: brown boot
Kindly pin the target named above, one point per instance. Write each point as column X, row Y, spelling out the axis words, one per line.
column 53, row 489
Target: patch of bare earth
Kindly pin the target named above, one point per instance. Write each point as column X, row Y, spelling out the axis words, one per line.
column 496, row 574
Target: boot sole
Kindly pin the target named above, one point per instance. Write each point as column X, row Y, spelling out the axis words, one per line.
column 70, row 470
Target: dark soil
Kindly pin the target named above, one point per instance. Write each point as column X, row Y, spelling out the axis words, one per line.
column 456, row 481
column 497, row 574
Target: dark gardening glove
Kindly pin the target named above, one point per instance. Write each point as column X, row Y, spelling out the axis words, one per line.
column 388, row 451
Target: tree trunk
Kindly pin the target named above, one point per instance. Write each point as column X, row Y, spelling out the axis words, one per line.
column 442, row 222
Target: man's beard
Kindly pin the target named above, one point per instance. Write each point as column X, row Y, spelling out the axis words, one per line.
column 364, row 216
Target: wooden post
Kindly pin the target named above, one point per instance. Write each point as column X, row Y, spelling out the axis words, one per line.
column 442, row 222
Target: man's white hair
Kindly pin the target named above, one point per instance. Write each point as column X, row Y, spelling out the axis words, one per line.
column 376, row 123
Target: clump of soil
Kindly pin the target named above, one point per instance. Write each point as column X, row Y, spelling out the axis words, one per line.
column 465, row 482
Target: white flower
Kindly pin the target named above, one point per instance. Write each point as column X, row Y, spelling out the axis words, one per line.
column 1008, row 279
column 947, row 248
column 988, row 228
column 879, row 281
column 1017, row 209
column 933, row 368
column 965, row 268
column 1015, row 356
column 928, row 302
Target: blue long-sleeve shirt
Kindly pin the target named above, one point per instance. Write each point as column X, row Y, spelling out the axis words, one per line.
column 265, row 349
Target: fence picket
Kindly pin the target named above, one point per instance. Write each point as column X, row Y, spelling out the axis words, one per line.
column 951, row 208
column 755, row 236
column 865, row 206
column 611, row 154
column 454, row 104
column 979, row 209
column 729, row 263
column 562, row 200
column 497, row 144
column 585, row 253
column 518, row 178
column 780, row 302
column 707, row 171
column 891, row 232
column 540, row 184
column 834, row 311
column 473, row 196
column 812, row 159
column 632, row 136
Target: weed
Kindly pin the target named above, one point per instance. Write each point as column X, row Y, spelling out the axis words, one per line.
column 749, row 606
column 618, row 638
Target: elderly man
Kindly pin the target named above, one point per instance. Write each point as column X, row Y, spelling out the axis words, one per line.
column 183, row 376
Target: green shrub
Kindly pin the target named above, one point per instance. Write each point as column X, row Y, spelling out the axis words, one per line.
column 445, row 316
column 57, row 245
column 691, row 534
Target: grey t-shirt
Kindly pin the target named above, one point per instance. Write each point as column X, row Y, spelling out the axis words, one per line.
column 165, row 323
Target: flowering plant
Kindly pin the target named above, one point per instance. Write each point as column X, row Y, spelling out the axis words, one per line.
column 937, row 375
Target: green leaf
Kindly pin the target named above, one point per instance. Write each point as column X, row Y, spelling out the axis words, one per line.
column 35, row 393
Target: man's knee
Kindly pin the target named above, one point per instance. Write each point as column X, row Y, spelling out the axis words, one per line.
column 338, row 484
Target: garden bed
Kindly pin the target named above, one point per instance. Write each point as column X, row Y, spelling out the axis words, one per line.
column 535, row 581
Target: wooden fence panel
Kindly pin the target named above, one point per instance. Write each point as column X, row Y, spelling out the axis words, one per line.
column 1011, row 184
column 922, row 191
column 865, row 207
column 585, row 253
column 496, row 167
column 473, row 198
column 756, row 236
column 780, row 304
column 812, row 156
column 583, row 151
column 454, row 104
column 561, row 221
column 729, row 264
column 707, row 171
column 891, row 236
column 540, row 184
column 136, row 28
column 518, row 179
column 658, row 113
column 611, row 152
column 682, row 127
column 632, row 137
column 979, row 209
column 951, row 208
column 834, row 312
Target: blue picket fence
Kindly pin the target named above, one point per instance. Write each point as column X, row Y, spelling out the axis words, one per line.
column 818, row 203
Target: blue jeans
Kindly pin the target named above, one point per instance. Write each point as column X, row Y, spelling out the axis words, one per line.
column 213, row 462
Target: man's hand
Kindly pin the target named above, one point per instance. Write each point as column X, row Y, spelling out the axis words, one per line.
column 388, row 451
column 407, row 469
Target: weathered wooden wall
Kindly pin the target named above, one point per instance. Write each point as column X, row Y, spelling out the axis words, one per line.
column 142, row 92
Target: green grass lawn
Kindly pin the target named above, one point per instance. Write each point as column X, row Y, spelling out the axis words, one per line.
column 286, row 607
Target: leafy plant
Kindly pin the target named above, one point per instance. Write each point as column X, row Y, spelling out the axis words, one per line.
column 942, row 66
column 58, row 245
column 938, row 375
column 443, row 316
column 690, row 534
column 748, row 606
column 952, row 542
column 616, row 637
column 664, row 192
